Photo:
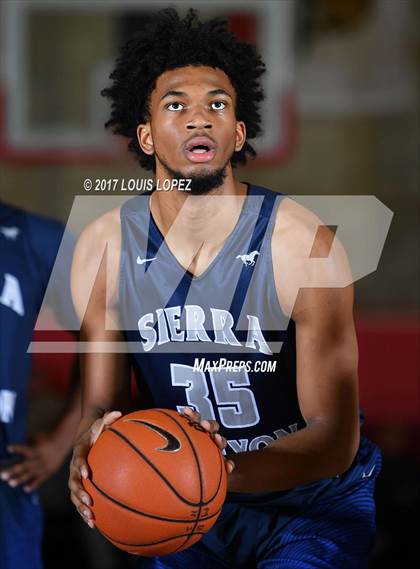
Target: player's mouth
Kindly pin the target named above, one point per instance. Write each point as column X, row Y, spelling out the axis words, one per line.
column 200, row 149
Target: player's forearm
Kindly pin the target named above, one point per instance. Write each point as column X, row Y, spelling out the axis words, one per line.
column 312, row 453
column 105, row 384
column 65, row 431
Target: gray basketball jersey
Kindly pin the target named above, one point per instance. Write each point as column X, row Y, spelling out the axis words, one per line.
column 218, row 342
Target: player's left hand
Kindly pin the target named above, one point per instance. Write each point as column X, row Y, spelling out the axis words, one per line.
column 211, row 427
column 40, row 460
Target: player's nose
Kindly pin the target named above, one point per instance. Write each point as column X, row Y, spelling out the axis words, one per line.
column 198, row 119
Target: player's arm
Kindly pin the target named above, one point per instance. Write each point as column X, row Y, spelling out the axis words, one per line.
column 327, row 357
column 44, row 453
column 47, row 451
column 105, row 372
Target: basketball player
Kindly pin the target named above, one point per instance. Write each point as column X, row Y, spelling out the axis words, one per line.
column 28, row 248
column 212, row 275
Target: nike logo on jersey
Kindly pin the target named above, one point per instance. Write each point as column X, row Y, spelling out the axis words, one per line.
column 369, row 474
column 172, row 443
column 194, row 328
column 10, row 232
column 142, row 261
column 248, row 260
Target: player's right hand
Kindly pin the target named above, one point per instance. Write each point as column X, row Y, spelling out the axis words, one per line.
column 79, row 468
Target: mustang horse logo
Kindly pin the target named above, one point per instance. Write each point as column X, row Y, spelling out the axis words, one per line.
column 248, row 260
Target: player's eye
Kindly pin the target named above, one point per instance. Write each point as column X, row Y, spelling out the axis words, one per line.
column 218, row 105
column 175, row 106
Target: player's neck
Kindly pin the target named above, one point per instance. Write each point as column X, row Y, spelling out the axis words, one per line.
column 208, row 218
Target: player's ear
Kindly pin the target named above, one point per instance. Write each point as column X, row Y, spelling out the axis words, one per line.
column 240, row 136
column 144, row 136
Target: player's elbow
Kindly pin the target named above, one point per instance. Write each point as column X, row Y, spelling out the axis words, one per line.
column 338, row 443
column 344, row 454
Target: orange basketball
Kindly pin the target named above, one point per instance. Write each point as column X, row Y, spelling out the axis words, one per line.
column 157, row 482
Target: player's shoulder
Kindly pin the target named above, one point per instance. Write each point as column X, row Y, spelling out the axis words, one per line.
column 99, row 240
column 99, row 237
column 296, row 227
column 103, row 230
column 30, row 222
column 307, row 255
column 41, row 234
column 44, row 229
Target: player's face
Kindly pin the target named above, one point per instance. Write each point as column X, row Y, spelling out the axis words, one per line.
column 193, row 127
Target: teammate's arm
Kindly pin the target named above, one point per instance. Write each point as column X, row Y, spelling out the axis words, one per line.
column 327, row 357
column 39, row 457
column 46, row 452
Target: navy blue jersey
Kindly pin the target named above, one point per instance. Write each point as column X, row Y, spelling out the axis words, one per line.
column 219, row 342
column 28, row 249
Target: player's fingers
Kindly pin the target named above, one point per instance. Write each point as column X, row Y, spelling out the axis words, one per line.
column 77, row 490
column 78, row 500
column 230, row 465
column 210, row 425
column 85, row 512
column 191, row 414
column 95, row 430
column 33, row 485
column 75, row 499
column 111, row 416
column 220, row 441
column 100, row 424
column 24, row 450
column 20, row 479
column 75, row 484
column 80, row 466
column 13, row 472
column 86, row 516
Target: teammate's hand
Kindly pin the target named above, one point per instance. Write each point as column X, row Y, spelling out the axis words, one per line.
column 79, row 468
column 211, row 427
column 40, row 460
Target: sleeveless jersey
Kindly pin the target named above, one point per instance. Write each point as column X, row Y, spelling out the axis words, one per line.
column 28, row 248
column 219, row 342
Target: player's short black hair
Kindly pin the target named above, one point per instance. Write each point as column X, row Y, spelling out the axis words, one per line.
column 169, row 42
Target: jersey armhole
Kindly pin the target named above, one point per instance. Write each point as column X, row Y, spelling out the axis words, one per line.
column 277, row 309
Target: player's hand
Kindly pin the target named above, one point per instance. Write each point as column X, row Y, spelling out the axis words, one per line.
column 79, row 467
column 40, row 460
column 211, row 427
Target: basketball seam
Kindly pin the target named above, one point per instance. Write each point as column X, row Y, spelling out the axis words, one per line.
column 152, row 542
column 145, row 514
column 200, row 476
column 189, row 440
column 150, row 463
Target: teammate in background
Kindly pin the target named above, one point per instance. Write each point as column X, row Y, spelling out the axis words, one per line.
column 28, row 248
column 217, row 272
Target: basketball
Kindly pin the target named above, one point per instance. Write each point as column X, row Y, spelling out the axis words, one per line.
column 157, row 482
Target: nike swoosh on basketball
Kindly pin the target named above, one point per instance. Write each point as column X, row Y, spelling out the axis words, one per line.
column 142, row 261
column 173, row 444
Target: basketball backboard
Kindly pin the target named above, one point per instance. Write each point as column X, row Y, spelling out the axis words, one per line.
column 57, row 57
